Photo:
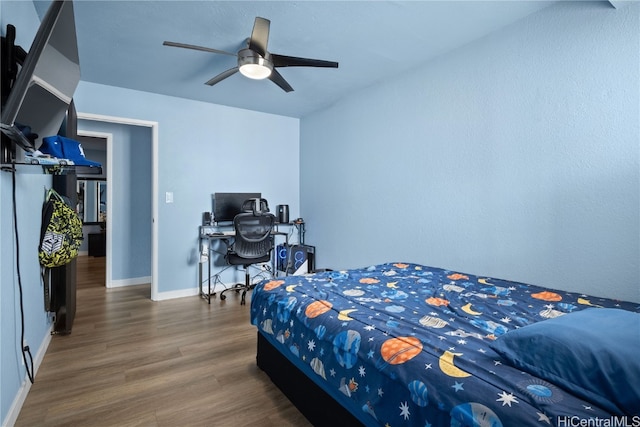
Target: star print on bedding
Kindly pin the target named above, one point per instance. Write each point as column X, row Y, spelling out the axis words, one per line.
column 406, row 344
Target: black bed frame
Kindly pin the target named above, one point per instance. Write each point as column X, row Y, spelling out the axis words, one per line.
column 314, row 403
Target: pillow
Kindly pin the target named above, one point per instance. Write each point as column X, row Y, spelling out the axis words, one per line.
column 593, row 353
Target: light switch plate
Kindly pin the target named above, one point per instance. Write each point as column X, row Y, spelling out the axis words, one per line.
column 168, row 197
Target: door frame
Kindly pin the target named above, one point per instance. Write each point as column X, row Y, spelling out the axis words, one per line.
column 154, row 189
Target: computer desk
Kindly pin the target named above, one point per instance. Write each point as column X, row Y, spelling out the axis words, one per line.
column 208, row 235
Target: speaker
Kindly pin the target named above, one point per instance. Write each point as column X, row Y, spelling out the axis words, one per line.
column 206, row 218
column 296, row 259
column 283, row 214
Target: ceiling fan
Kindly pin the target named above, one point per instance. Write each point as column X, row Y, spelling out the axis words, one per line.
column 255, row 61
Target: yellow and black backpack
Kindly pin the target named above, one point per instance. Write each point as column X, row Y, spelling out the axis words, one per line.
column 60, row 233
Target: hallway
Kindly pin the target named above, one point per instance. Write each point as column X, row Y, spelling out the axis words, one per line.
column 90, row 271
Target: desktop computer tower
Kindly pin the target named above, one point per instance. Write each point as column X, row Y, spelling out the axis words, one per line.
column 295, row 259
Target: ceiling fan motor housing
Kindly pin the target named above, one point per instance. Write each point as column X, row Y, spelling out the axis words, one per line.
column 253, row 65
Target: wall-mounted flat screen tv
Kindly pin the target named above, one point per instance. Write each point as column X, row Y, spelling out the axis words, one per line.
column 45, row 83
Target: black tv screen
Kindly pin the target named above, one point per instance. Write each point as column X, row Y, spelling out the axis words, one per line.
column 227, row 205
column 46, row 82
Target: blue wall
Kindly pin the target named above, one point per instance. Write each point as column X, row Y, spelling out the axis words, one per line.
column 202, row 149
column 515, row 156
column 131, row 187
column 29, row 198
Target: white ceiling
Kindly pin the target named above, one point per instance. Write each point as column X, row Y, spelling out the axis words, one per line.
column 120, row 44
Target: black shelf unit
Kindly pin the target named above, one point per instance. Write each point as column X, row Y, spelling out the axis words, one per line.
column 31, row 168
column 63, row 279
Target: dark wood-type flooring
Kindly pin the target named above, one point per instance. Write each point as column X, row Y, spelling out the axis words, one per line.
column 130, row 361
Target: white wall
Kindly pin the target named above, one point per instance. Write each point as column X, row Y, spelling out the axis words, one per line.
column 515, row 156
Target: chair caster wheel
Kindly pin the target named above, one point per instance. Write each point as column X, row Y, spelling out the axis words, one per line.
column 223, row 297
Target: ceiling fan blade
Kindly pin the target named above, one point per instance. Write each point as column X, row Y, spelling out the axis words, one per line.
column 260, row 36
column 194, row 47
column 220, row 77
column 277, row 78
column 292, row 61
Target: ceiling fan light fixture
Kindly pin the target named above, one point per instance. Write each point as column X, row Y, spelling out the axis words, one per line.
column 255, row 71
column 254, row 66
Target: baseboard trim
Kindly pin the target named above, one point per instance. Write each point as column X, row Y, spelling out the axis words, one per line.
column 161, row 295
column 129, row 282
column 177, row 294
column 23, row 392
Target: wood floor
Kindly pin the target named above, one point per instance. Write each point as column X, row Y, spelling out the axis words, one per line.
column 130, row 361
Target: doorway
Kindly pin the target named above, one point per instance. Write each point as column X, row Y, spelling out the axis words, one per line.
column 92, row 124
column 92, row 208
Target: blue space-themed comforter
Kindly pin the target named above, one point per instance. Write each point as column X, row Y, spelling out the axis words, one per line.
column 405, row 344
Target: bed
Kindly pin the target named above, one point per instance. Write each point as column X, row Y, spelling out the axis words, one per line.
column 406, row 344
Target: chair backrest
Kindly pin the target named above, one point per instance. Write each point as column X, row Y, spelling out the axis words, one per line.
column 257, row 206
column 253, row 234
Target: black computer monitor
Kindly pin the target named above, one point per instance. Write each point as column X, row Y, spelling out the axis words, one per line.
column 227, row 205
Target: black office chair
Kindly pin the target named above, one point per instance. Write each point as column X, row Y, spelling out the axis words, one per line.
column 253, row 242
